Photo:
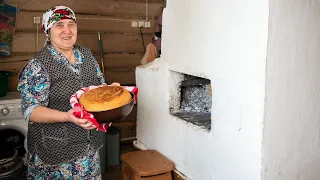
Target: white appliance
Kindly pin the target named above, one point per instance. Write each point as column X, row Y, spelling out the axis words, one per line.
column 11, row 118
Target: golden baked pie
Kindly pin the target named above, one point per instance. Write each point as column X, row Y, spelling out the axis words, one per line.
column 104, row 98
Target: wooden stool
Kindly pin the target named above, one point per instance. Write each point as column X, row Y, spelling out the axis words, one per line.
column 145, row 165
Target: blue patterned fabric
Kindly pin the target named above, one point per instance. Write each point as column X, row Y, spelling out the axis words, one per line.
column 34, row 83
column 86, row 167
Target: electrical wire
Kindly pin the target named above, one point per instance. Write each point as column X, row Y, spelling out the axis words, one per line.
column 112, row 19
column 144, row 46
column 37, row 38
column 147, row 9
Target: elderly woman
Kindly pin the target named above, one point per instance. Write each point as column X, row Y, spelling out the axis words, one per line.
column 61, row 146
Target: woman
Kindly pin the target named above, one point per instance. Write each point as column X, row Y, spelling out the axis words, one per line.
column 61, row 146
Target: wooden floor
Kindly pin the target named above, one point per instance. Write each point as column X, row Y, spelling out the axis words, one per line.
column 114, row 173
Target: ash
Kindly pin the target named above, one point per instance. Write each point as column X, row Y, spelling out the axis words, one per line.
column 195, row 99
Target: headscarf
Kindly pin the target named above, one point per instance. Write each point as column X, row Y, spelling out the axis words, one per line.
column 55, row 14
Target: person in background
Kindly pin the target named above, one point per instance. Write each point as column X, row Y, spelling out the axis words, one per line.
column 156, row 40
column 60, row 145
column 153, row 49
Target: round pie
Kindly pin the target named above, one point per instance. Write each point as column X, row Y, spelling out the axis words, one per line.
column 105, row 98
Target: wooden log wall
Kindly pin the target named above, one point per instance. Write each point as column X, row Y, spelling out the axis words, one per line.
column 122, row 44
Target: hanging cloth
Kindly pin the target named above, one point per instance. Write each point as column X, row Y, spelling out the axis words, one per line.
column 8, row 15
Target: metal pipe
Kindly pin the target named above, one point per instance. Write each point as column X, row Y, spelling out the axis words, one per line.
column 101, row 54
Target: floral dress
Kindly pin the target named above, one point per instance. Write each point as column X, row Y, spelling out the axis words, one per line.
column 34, row 88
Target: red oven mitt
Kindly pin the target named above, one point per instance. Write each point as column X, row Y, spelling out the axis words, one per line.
column 79, row 112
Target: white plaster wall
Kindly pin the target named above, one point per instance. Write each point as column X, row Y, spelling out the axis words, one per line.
column 291, row 129
column 226, row 42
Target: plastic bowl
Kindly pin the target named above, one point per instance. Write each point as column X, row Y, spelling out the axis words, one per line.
column 116, row 114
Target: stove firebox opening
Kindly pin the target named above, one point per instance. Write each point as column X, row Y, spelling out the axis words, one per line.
column 191, row 99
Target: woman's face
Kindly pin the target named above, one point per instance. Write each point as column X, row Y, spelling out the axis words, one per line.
column 63, row 34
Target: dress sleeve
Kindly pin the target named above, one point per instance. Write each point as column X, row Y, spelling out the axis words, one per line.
column 33, row 86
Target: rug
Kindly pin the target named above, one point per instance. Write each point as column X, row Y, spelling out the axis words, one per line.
column 8, row 14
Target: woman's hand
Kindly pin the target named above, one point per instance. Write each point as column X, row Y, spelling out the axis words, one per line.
column 115, row 84
column 83, row 123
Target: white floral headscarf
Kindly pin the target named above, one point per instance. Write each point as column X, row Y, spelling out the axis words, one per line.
column 55, row 14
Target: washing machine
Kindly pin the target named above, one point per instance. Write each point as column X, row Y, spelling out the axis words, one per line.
column 13, row 127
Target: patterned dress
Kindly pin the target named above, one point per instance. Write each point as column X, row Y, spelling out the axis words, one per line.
column 34, row 88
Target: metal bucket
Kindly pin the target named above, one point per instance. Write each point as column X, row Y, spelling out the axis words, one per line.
column 4, row 76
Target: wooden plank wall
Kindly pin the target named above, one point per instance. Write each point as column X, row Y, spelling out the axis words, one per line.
column 122, row 44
